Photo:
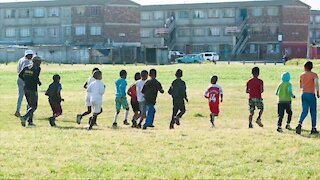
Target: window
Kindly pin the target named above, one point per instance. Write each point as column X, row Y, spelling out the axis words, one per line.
column 39, row 32
column 198, row 14
column 184, row 32
column 95, row 30
column 213, row 13
column 273, row 48
column 273, row 30
column 158, row 15
column 257, row 30
column 24, row 13
column 183, row 14
column 145, row 33
column 95, row 10
column 198, row 32
column 54, row 12
column 273, row 11
column 80, row 10
column 67, row 31
column 10, row 13
column 311, row 20
column 10, row 32
column 252, row 48
column 317, row 34
column 257, row 11
column 228, row 12
column 214, row 31
column 213, row 48
column 317, row 19
column 80, row 30
column 38, row 12
column 54, row 32
column 25, row 32
column 145, row 16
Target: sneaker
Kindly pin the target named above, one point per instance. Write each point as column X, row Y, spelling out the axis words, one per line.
column 23, row 121
column 138, row 126
column 125, row 122
column 213, row 126
column 89, row 128
column 51, row 121
column 259, row 122
column 17, row 114
column 114, row 125
column 288, row 127
column 31, row 124
column 171, row 126
column 134, row 123
column 279, row 129
column 89, row 122
column 144, row 128
column 250, row 125
column 78, row 118
column 177, row 121
column 314, row 131
column 298, row 129
column 152, row 126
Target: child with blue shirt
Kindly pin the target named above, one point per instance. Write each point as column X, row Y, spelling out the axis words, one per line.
column 284, row 93
column 121, row 98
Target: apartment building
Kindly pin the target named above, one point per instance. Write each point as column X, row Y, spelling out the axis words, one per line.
column 315, row 27
column 249, row 30
column 69, row 22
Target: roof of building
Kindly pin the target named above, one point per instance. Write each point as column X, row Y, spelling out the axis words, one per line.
column 46, row 3
column 258, row 3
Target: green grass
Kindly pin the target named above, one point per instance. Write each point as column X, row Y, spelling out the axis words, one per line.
column 191, row 151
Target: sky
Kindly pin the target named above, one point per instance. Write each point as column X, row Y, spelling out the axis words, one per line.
column 315, row 4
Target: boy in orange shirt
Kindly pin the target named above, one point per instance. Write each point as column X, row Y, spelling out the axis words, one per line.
column 308, row 83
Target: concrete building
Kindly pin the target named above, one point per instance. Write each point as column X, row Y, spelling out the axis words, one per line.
column 314, row 34
column 70, row 24
column 237, row 30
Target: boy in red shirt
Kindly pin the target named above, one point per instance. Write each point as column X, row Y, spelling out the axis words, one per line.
column 132, row 92
column 213, row 94
column 255, row 89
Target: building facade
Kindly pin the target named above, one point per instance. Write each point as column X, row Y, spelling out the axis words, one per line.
column 67, row 22
column 236, row 30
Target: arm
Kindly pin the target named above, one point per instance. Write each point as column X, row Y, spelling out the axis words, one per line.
column 85, row 85
column 316, row 84
column 185, row 92
column 102, row 89
column 21, row 74
column 261, row 88
column 38, row 79
column 221, row 96
column 170, row 90
column 160, row 88
column 129, row 92
column 277, row 91
column 247, row 89
column 290, row 91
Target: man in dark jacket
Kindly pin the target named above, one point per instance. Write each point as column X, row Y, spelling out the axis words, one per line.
column 178, row 92
column 150, row 91
column 30, row 77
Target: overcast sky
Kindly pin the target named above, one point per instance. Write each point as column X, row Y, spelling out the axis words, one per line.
column 315, row 4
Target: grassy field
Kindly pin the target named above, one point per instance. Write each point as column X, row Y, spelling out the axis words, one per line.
column 191, row 151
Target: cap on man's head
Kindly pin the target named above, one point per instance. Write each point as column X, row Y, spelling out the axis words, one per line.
column 28, row 52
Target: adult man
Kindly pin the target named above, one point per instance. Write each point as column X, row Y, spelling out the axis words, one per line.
column 22, row 63
column 30, row 77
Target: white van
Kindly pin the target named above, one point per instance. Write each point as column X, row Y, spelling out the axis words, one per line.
column 210, row 56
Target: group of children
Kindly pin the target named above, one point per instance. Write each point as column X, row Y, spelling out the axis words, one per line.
column 144, row 91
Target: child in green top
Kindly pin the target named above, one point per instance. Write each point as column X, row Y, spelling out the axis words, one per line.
column 284, row 93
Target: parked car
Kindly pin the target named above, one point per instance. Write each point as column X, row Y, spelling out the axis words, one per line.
column 210, row 56
column 190, row 58
column 175, row 54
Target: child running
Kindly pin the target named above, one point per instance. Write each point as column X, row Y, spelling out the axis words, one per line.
column 141, row 100
column 132, row 92
column 87, row 103
column 121, row 98
column 150, row 91
column 255, row 89
column 284, row 92
column 309, row 83
column 54, row 93
column 178, row 92
column 96, row 90
column 213, row 94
